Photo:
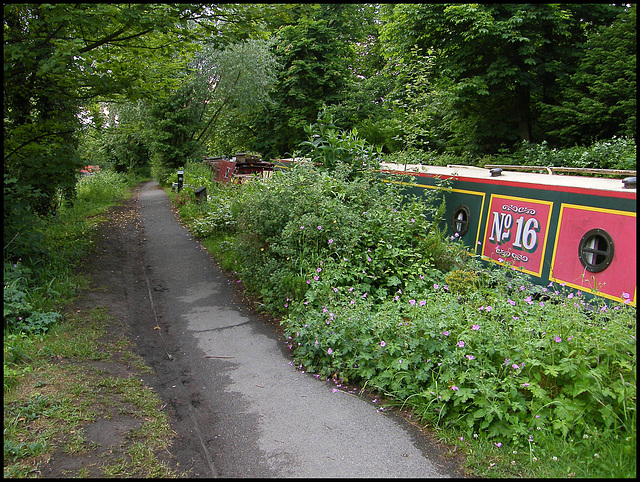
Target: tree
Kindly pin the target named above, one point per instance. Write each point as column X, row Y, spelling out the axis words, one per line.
column 314, row 57
column 60, row 56
column 218, row 84
column 599, row 100
column 500, row 58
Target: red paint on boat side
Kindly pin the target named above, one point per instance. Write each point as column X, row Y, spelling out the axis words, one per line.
column 620, row 275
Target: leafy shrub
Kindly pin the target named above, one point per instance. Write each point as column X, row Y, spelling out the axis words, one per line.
column 615, row 153
column 331, row 147
column 19, row 314
column 427, row 158
column 196, row 174
column 219, row 219
column 361, row 231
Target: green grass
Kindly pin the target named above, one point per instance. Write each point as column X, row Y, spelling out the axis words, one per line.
column 46, row 410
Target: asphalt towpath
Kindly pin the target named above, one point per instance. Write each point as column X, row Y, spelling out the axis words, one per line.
column 239, row 407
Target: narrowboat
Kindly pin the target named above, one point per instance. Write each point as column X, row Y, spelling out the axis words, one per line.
column 573, row 230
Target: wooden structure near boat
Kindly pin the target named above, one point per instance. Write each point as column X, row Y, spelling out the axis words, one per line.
column 576, row 231
column 239, row 168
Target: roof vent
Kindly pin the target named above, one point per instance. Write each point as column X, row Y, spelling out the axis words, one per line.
column 629, row 182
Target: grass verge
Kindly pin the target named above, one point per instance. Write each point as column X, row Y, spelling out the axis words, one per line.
column 82, row 401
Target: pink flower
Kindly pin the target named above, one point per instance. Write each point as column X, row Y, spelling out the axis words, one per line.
column 557, row 339
column 470, row 357
column 435, row 286
column 319, row 228
column 461, row 344
column 499, row 444
column 330, row 241
column 445, row 333
column 454, row 388
column 382, row 343
column 412, row 302
column 475, row 327
column 329, row 351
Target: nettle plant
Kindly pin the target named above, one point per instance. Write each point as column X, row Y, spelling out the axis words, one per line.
column 507, row 359
column 330, row 146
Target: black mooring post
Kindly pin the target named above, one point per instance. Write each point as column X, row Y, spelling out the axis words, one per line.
column 180, row 179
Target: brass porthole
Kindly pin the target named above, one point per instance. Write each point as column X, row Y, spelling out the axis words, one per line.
column 460, row 220
column 596, row 250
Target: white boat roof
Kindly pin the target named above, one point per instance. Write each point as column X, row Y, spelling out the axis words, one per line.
column 474, row 172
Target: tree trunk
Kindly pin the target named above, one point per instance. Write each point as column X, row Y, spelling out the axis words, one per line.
column 523, row 101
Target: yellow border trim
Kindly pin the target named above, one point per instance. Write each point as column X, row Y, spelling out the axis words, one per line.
column 555, row 251
column 537, row 274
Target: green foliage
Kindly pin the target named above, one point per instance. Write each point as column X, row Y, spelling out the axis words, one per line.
column 359, row 232
column 507, row 362
column 599, row 99
column 103, row 187
column 314, row 56
column 329, row 147
column 59, row 56
column 615, row 153
column 493, row 67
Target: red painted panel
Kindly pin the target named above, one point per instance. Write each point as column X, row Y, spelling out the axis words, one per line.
column 620, row 275
column 516, row 232
column 225, row 170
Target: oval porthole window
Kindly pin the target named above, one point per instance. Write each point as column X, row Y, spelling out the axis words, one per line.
column 596, row 250
column 460, row 220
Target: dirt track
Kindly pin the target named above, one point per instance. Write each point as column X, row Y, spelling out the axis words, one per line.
column 238, row 407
